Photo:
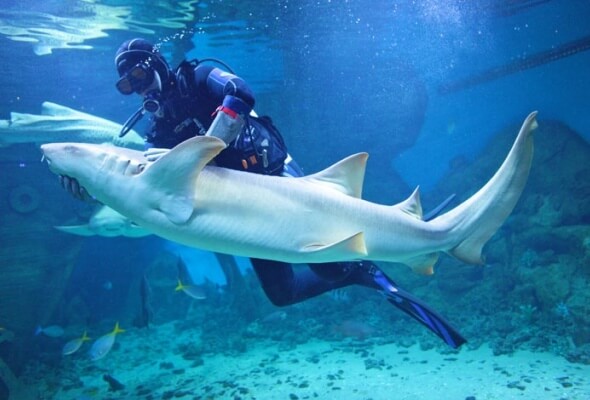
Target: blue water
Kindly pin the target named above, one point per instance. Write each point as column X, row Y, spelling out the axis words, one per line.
column 337, row 77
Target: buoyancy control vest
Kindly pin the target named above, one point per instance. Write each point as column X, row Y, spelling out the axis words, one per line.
column 259, row 148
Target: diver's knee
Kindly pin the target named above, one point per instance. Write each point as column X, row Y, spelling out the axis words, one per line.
column 278, row 295
column 279, row 301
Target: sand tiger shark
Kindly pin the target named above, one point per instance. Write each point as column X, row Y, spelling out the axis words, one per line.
column 313, row 219
column 60, row 123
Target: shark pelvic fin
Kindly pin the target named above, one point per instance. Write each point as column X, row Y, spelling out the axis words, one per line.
column 352, row 247
column 176, row 174
column 81, row 230
column 412, row 205
column 346, row 176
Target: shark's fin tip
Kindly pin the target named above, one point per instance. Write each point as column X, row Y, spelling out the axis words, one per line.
column 412, row 205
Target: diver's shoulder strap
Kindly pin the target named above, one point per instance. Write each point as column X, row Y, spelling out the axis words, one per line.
column 185, row 77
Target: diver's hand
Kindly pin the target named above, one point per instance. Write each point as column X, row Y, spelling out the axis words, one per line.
column 154, row 153
column 72, row 186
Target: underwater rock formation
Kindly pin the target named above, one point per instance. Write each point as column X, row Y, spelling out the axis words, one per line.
column 533, row 291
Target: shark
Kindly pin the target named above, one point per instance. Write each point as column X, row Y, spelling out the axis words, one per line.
column 60, row 123
column 313, row 219
column 106, row 222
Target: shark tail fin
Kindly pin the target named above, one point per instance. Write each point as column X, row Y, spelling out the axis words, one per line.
column 476, row 220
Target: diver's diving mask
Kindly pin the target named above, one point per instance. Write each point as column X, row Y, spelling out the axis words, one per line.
column 137, row 79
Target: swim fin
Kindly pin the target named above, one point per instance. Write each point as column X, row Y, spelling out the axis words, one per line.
column 436, row 211
column 418, row 310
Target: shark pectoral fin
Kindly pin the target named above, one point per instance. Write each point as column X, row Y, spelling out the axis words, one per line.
column 81, row 230
column 179, row 168
column 351, row 247
column 178, row 209
column 346, row 176
column 423, row 265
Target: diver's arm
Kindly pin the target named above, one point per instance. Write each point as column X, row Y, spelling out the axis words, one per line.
column 233, row 97
column 218, row 84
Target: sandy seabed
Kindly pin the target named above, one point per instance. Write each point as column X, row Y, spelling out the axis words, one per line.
column 150, row 367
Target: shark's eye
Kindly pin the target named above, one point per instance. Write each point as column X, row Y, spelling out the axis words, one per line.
column 140, row 168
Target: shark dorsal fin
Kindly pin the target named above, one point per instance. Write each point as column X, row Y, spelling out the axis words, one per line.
column 346, row 176
column 176, row 172
column 54, row 109
column 412, row 205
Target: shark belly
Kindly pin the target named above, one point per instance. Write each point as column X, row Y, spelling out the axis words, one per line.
column 287, row 219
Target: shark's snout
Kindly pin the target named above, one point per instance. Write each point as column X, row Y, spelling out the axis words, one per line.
column 52, row 153
column 44, row 154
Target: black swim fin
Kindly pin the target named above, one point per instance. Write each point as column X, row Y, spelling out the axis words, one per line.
column 434, row 213
column 421, row 312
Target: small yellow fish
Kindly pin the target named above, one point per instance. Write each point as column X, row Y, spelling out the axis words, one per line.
column 104, row 344
column 191, row 290
column 74, row 345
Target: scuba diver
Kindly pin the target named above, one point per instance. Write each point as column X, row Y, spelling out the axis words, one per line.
column 200, row 99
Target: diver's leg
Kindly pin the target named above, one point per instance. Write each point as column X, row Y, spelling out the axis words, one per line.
column 284, row 286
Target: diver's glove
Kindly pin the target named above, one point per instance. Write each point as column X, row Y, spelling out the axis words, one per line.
column 234, row 106
column 154, row 153
column 229, row 119
column 72, row 186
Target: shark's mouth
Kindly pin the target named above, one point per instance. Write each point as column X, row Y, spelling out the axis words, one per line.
column 47, row 159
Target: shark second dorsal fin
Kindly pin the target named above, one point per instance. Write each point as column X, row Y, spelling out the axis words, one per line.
column 412, row 205
column 346, row 176
column 176, row 174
